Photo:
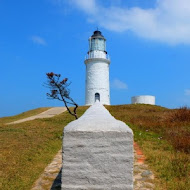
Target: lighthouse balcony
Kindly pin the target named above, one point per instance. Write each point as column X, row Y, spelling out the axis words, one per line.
column 97, row 54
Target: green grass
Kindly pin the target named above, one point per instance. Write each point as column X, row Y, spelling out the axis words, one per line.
column 28, row 147
column 23, row 115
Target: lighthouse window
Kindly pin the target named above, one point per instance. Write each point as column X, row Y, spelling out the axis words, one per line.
column 97, row 44
column 97, row 97
column 101, row 45
column 93, row 44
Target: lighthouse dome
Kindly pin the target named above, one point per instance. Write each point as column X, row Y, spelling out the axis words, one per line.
column 97, row 34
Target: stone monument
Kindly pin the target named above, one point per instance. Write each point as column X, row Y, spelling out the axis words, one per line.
column 97, row 152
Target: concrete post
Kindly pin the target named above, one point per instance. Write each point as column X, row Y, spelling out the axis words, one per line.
column 97, row 152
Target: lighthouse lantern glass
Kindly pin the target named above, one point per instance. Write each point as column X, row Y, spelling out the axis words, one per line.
column 97, row 44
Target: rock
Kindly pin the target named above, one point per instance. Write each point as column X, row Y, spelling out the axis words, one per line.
column 146, row 173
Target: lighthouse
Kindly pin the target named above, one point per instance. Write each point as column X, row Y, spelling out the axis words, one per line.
column 97, row 71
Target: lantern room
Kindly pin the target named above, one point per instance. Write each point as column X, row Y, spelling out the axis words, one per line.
column 97, row 42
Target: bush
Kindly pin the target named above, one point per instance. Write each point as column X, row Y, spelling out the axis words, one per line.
column 177, row 123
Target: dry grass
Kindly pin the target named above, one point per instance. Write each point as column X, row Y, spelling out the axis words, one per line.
column 177, row 123
column 173, row 125
column 163, row 134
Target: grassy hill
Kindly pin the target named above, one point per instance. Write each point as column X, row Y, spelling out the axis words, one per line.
column 162, row 134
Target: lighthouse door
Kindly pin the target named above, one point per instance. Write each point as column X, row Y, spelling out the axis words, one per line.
column 97, row 97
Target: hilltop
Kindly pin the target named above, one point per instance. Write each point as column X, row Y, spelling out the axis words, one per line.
column 163, row 135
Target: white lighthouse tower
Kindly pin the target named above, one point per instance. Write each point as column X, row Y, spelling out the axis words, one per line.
column 97, row 71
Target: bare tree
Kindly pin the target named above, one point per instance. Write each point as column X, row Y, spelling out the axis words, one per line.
column 59, row 90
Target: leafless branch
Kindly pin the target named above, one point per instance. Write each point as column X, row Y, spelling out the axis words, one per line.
column 59, row 90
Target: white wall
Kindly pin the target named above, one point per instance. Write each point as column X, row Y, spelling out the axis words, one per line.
column 143, row 100
column 97, row 54
column 97, row 80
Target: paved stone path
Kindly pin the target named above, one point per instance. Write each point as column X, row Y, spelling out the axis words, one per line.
column 51, row 178
column 143, row 177
column 46, row 114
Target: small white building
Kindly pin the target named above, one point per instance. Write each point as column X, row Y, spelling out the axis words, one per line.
column 145, row 99
column 97, row 71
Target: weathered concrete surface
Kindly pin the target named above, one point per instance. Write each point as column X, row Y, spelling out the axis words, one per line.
column 51, row 178
column 97, row 152
column 46, row 114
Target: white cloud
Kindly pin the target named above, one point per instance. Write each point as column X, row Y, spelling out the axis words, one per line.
column 89, row 6
column 187, row 92
column 117, row 84
column 168, row 22
column 38, row 40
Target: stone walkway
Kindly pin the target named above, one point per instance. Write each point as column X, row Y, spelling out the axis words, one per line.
column 46, row 114
column 51, row 178
column 143, row 177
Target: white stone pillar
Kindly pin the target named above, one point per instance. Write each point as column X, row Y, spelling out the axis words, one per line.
column 97, row 152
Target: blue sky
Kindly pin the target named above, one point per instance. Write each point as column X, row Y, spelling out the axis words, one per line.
column 148, row 42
